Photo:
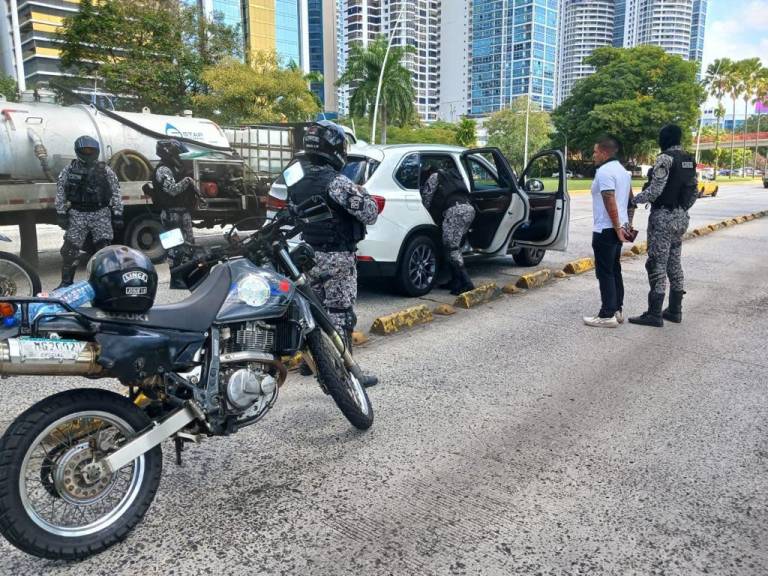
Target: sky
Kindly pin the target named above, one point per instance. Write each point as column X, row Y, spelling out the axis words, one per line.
column 736, row 29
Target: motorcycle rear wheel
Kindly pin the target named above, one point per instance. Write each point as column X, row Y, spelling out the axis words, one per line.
column 348, row 393
column 51, row 504
column 17, row 278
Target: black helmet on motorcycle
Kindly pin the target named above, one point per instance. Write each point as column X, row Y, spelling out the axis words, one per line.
column 87, row 150
column 327, row 141
column 170, row 149
column 123, row 279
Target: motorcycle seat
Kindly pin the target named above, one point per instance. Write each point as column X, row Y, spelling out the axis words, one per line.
column 195, row 313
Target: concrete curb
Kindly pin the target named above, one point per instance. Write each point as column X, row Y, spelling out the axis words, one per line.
column 534, row 279
column 640, row 248
column 579, row 266
column 444, row 310
column 510, row 288
column 359, row 338
column 479, row 295
column 397, row 321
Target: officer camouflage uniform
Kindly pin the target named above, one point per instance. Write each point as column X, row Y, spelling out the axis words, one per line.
column 671, row 191
column 88, row 202
column 454, row 215
column 334, row 242
column 175, row 199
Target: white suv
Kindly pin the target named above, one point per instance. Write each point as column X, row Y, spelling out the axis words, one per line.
column 523, row 216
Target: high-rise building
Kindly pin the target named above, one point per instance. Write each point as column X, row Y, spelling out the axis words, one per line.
column 323, row 49
column 454, row 59
column 514, row 52
column 361, row 21
column 677, row 26
column 584, row 26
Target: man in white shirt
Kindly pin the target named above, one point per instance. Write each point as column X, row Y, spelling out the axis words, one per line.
column 611, row 190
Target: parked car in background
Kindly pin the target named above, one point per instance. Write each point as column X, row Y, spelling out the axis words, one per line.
column 708, row 187
column 765, row 179
column 522, row 215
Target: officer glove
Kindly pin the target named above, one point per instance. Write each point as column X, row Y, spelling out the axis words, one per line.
column 62, row 220
column 117, row 222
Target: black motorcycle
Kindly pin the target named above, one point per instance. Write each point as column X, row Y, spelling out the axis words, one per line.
column 79, row 469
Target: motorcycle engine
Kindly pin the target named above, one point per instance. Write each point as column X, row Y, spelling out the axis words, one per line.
column 249, row 385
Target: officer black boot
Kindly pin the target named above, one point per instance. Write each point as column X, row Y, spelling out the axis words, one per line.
column 453, row 282
column 463, row 283
column 367, row 380
column 67, row 275
column 675, row 311
column 652, row 317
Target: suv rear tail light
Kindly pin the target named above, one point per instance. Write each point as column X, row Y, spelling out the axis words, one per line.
column 380, row 202
column 275, row 203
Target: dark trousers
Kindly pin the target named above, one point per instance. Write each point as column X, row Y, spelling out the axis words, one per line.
column 607, row 247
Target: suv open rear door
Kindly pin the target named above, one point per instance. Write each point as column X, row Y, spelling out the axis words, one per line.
column 545, row 185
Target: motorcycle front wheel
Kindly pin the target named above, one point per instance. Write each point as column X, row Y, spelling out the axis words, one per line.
column 348, row 393
column 54, row 503
column 17, row 278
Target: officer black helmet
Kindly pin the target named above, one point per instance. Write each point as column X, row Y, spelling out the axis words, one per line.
column 170, row 149
column 123, row 279
column 670, row 135
column 327, row 141
column 87, row 149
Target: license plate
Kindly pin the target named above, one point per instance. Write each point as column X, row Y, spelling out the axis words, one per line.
column 43, row 349
column 171, row 238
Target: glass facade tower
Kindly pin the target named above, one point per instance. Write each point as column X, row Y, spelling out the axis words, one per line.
column 514, row 53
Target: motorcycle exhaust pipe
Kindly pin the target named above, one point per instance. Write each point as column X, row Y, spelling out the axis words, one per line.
column 48, row 357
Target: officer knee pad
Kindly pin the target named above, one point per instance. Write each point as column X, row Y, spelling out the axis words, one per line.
column 69, row 252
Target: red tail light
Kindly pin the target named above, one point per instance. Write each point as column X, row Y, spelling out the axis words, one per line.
column 380, row 202
column 210, row 189
column 275, row 203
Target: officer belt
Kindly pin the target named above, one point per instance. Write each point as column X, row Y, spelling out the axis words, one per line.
column 87, row 207
column 667, row 206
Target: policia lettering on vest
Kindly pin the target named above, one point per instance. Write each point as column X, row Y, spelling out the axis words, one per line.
column 334, row 241
column 671, row 190
column 88, row 202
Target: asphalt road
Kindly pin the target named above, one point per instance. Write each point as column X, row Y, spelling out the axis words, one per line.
column 509, row 439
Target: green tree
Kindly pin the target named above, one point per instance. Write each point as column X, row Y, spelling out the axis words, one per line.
column 364, row 67
column 153, row 53
column 506, row 130
column 8, row 87
column 734, row 87
column 716, row 82
column 761, row 98
column 260, row 91
column 633, row 92
column 750, row 71
column 466, row 132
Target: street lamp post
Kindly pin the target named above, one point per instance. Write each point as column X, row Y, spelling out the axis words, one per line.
column 381, row 75
column 527, row 118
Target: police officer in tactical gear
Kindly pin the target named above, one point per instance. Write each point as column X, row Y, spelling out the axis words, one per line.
column 446, row 198
column 88, row 201
column 175, row 195
column 334, row 241
column 671, row 191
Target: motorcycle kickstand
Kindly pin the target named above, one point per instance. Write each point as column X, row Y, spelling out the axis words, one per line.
column 178, row 444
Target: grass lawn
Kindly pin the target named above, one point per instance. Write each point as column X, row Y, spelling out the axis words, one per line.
column 578, row 185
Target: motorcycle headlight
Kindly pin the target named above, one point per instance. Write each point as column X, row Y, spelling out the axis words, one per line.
column 253, row 290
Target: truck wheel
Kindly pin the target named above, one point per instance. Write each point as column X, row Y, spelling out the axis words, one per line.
column 417, row 272
column 143, row 233
column 528, row 256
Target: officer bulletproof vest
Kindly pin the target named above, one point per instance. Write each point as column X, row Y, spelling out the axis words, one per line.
column 162, row 200
column 451, row 190
column 343, row 231
column 680, row 190
column 87, row 188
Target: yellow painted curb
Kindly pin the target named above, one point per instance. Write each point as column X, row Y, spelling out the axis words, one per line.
column 749, row 217
column 535, row 279
column 628, row 254
column 510, row 288
column 359, row 338
column 579, row 266
column 733, row 221
column 444, row 310
column 397, row 321
column 294, row 361
column 560, row 274
column 689, row 235
column 741, row 219
column 479, row 295
column 640, row 248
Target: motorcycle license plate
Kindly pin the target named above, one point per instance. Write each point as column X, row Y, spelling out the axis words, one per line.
column 45, row 350
column 171, row 238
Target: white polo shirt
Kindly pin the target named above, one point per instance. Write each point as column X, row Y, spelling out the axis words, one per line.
column 610, row 176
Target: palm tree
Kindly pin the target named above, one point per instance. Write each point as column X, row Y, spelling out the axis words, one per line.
column 761, row 97
column 750, row 75
column 716, row 81
column 735, row 82
column 362, row 75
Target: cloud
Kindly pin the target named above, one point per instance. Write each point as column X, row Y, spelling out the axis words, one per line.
column 740, row 33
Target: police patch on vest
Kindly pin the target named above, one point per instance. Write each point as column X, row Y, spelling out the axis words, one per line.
column 135, row 290
column 687, row 164
column 135, row 275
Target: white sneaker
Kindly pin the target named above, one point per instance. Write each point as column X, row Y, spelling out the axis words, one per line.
column 598, row 322
column 619, row 316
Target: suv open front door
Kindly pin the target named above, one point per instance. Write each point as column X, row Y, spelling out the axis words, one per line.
column 544, row 182
column 500, row 206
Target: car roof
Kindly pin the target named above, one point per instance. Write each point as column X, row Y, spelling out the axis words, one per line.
column 421, row 148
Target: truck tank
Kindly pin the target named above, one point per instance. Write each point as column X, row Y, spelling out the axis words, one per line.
column 37, row 139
